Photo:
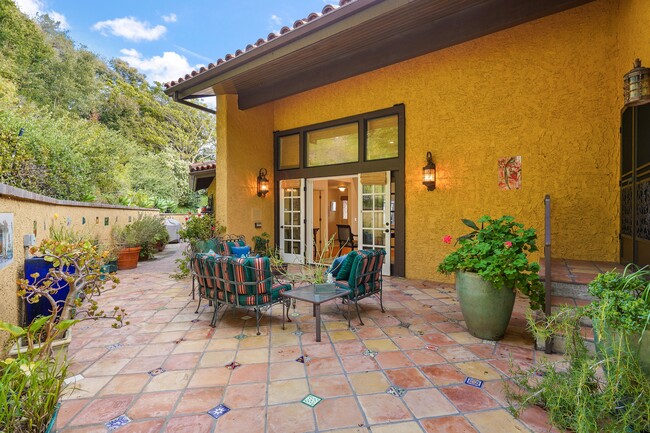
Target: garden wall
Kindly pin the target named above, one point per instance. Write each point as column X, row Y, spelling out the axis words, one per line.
column 35, row 214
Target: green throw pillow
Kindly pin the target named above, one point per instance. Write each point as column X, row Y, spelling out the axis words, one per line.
column 346, row 266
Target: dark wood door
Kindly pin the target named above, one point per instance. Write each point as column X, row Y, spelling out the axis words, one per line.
column 635, row 185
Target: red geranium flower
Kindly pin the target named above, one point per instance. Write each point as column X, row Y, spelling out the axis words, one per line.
column 447, row 239
column 508, row 244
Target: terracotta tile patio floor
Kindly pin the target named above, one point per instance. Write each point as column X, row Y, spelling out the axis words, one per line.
column 166, row 370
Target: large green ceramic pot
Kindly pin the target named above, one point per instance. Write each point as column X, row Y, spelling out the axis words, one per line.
column 486, row 309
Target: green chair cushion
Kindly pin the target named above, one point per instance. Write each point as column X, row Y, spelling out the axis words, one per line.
column 357, row 265
column 346, row 266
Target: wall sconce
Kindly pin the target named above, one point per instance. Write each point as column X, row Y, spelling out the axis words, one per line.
column 636, row 84
column 429, row 173
column 341, row 188
column 262, row 183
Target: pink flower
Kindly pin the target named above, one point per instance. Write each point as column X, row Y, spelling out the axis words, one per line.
column 508, row 244
column 186, row 218
column 447, row 239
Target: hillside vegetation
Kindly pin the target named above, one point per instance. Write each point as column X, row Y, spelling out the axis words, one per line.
column 74, row 126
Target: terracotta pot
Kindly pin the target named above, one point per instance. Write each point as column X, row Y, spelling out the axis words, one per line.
column 486, row 309
column 128, row 258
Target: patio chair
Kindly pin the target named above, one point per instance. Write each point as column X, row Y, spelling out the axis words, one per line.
column 226, row 243
column 346, row 237
column 203, row 268
column 361, row 273
column 249, row 283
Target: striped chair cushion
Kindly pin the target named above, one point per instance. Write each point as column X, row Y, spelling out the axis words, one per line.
column 259, row 269
column 261, row 299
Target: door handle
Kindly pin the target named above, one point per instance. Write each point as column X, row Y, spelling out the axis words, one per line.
column 281, row 227
column 387, row 231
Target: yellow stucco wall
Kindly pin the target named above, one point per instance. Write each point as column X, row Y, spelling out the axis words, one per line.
column 44, row 215
column 633, row 20
column 245, row 144
column 548, row 91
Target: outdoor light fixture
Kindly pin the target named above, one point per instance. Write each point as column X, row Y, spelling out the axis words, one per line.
column 636, row 84
column 262, row 183
column 429, row 173
column 341, row 188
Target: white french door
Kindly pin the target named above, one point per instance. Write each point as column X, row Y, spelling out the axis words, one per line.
column 374, row 214
column 292, row 215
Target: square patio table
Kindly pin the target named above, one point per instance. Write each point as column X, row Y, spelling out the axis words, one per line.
column 316, row 294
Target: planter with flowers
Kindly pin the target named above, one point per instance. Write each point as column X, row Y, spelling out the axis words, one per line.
column 491, row 264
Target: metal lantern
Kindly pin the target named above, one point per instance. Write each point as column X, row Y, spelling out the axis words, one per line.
column 429, row 173
column 636, row 86
column 262, row 183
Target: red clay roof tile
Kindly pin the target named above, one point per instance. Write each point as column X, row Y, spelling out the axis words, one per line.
column 250, row 47
column 204, row 165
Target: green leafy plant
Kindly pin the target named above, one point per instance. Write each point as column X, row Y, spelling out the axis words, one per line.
column 200, row 227
column 584, row 394
column 622, row 299
column 29, row 387
column 149, row 230
column 497, row 251
column 261, row 243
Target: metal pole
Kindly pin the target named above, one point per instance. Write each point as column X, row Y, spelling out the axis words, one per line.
column 547, row 265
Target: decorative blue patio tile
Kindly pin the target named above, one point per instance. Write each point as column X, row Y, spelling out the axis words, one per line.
column 233, row 365
column 490, row 342
column 431, row 347
column 294, row 314
column 477, row 383
column 298, row 333
column 156, row 371
column 195, row 321
column 396, row 391
column 311, row 400
column 354, row 329
column 246, row 317
column 303, row 359
column 370, row 353
column 240, row 336
column 113, row 346
column 404, row 324
column 218, row 411
column 118, row 422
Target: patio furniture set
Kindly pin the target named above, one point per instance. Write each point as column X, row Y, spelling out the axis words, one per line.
column 248, row 283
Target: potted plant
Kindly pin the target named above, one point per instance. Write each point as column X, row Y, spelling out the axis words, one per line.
column 31, row 386
column 128, row 243
column 261, row 243
column 200, row 231
column 587, row 393
column 620, row 314
column 148, row 232
column 490, row 265
column 31, row 381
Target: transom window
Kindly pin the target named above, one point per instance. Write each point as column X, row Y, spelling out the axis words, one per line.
column 367, row 137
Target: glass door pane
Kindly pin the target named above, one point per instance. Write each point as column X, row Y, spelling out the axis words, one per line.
column 374, row 217
column 291, row 218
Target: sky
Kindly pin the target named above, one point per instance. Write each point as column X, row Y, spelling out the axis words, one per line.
column 166, row 39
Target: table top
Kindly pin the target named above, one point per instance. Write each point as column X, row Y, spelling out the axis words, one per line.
column 316, row 293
